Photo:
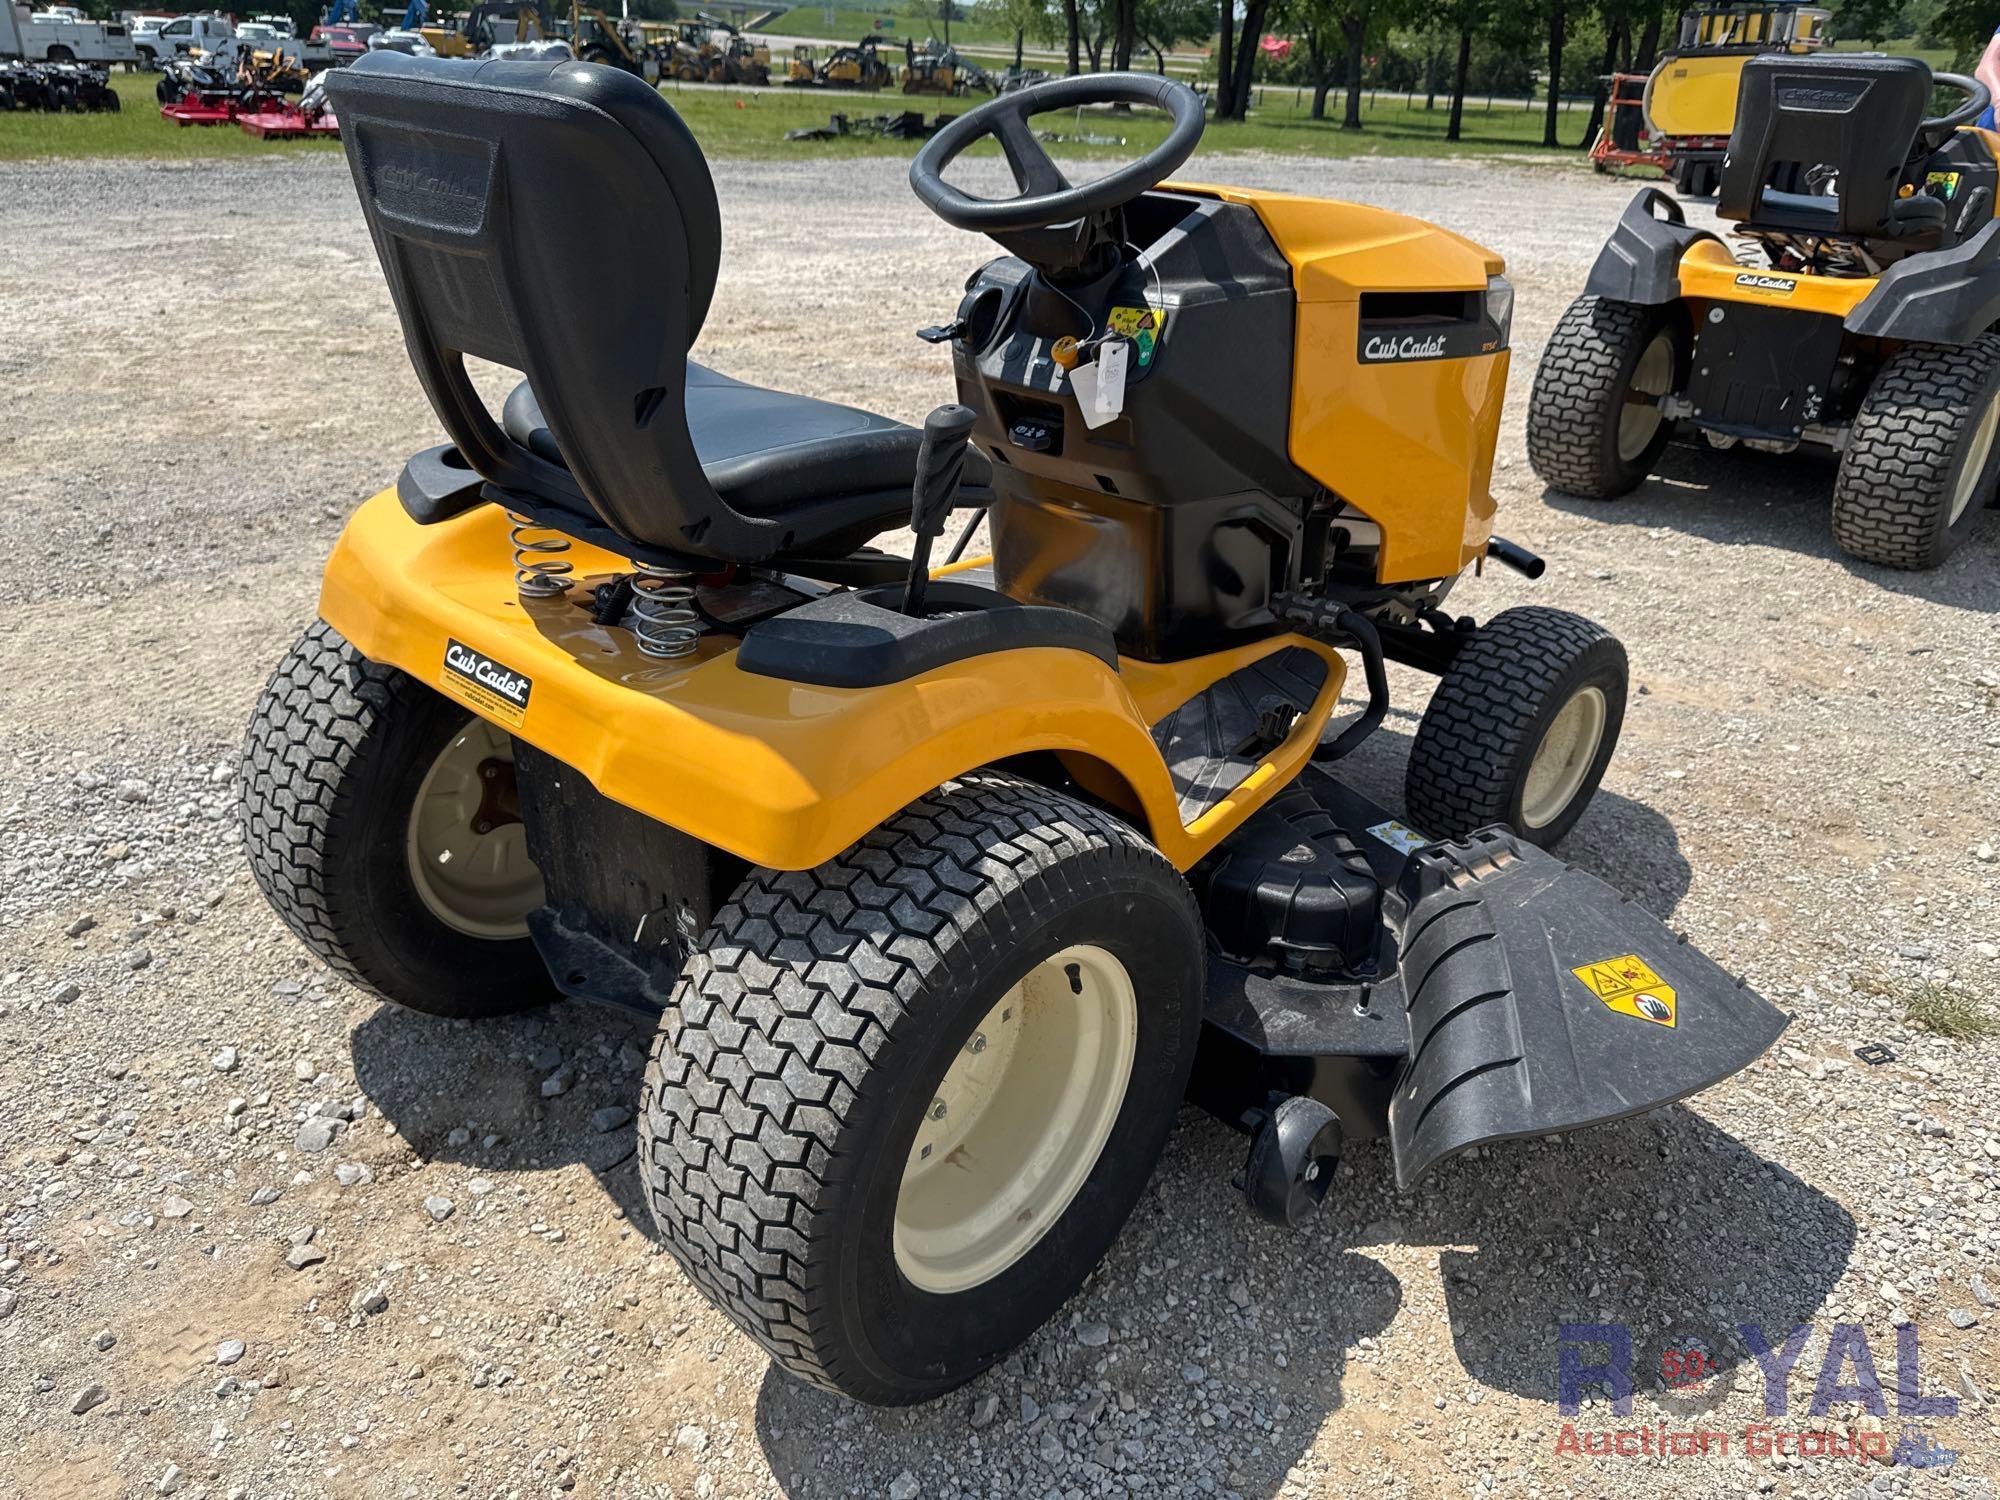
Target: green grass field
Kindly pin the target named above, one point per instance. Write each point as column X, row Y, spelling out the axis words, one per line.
column 752, row 125
column 135, row 131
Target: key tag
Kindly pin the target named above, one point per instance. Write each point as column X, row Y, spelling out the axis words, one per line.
column 1114, row 357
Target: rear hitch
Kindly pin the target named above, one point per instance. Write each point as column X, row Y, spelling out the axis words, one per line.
column 1293, row 1156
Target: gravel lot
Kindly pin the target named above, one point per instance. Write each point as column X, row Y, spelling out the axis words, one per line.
column 200, row 375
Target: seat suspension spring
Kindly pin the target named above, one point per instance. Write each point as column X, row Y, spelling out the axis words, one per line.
column 539, row 569
column 662, row 616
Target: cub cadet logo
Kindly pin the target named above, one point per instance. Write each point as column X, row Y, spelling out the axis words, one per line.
column 504, row 682
column 413, row 184
column 1819, row 98
column 1410, row 346
column 1777, row 285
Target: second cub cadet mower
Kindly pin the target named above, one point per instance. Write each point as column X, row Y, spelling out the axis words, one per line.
column 1862, row 317
column 949, row 885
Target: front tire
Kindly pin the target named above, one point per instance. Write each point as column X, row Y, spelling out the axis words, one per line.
column 1594, row 423
column 903, row 1102
column 1921, row 457
column 381, row 827
column 1520, row 728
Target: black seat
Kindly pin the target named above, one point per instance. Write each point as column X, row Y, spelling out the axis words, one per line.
column 1849, row 119
column 558, row 218
column 766, row 452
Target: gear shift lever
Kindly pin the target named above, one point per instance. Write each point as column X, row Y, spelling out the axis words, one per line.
column 940, row 465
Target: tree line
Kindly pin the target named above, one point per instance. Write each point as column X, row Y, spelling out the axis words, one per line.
column 1443, row 48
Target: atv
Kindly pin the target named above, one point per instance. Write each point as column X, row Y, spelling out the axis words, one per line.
column 947, row 885
column 1862, row 315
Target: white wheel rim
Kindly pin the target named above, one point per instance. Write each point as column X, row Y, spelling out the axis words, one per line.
column 1652, row 378
column 1563, row 758
column 1975, row 458
column 476, row 880
column 1018, row 1122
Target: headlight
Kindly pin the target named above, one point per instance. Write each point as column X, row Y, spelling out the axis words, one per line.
column 1500, row 307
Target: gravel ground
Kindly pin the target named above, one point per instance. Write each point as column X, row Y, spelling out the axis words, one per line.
column 460, row 1292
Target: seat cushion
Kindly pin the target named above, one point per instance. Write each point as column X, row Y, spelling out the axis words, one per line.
column 766, row 452
column 1917, row 218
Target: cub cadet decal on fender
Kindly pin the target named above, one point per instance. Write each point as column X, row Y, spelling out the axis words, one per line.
column 1387, row 348
column 495, row 690
column 1629, row 986
column 1777, row 286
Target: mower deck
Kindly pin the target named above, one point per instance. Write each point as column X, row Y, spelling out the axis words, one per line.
column 1438, row 994
column 1509, row 994
column 287, row 122
column 193, row 111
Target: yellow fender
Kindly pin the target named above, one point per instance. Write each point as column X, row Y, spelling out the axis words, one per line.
column 784, row 774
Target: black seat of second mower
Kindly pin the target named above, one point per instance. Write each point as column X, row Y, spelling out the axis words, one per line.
column 767, row 451
column 1855, row 117
column 558, row 219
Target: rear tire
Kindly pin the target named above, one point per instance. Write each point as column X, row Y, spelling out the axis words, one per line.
column 1594, row 427
column 829, row 1013
column 1921, row 457
column 341, row 752
column 1696, row 179
column 1520, row 729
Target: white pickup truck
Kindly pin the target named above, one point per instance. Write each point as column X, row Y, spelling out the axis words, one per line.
column 182, row 36
column 62, row 34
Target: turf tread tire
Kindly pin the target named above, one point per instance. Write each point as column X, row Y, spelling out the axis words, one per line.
column 1485, row 720
column 1892, row 496
column 794, row 1009
column 322, row 752
column 1579, row 386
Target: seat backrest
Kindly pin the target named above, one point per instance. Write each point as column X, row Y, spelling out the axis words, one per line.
column 556, row 218
column 1857, row 115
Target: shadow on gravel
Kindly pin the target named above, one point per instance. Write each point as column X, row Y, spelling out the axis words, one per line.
column 1663, row 1223
column 1188, row 1240
column 1737, row 497
column 449, row 1085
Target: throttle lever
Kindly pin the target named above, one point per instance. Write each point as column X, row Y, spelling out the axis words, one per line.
column 940, row 466
column 943, row 333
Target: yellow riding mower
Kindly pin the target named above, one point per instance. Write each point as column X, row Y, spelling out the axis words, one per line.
column 1860, row 315
column 948, row 886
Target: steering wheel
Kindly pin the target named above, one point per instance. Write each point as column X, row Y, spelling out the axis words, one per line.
column 1046, row 197
column 1933, row 133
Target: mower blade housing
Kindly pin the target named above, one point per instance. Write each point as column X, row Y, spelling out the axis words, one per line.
column 1541, row 1000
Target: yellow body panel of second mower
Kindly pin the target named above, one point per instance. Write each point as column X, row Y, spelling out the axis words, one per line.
column 1695, row 95
column 784, row 774
column 1409, row 443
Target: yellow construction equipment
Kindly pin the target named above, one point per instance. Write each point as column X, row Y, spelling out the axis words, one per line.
column 1691, row 97
column 488, row 22
column 936, row 68
column 857, row 67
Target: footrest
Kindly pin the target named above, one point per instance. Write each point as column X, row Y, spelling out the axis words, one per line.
column 1219, row 736
column 1541, row 1000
